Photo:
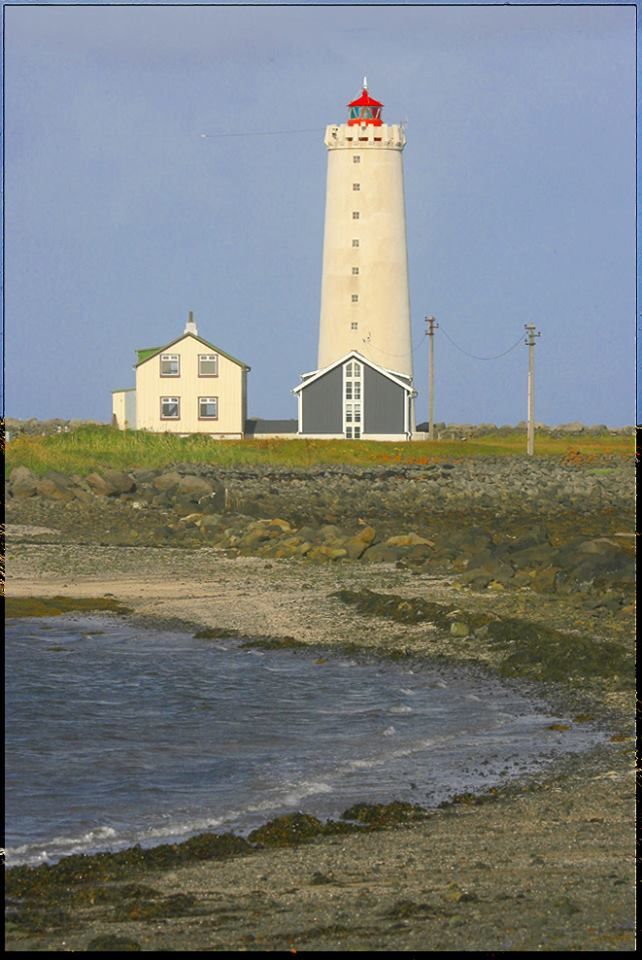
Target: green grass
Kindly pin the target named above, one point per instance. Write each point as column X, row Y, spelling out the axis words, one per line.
column 90, row 448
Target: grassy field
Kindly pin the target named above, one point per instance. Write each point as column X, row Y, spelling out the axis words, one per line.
column 90, row 448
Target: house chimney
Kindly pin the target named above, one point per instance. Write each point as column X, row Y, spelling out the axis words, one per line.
column 190, row 326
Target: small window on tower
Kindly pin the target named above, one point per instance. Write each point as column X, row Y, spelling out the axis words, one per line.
column 356, row 159
column 354, row 325
column 355, row 271
column 355, row 297
column 355, row 243
column 356, row 186
column 355, row 214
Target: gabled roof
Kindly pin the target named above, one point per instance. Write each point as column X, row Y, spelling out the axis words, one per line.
column 148, row 352
column 309, row 378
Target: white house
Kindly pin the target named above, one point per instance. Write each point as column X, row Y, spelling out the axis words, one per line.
column 186, row 386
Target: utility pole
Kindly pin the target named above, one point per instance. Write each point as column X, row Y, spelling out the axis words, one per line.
column 530, row 343
column 432, row 326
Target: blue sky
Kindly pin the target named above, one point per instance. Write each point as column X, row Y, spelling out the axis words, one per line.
column 120, row 216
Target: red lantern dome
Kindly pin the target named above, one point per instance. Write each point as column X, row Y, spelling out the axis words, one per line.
column 365, row 110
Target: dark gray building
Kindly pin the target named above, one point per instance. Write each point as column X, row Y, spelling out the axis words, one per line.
column 354, row 398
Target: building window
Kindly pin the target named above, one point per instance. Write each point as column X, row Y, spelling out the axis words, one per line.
column 356, row 186
column 170, row 365
column 355, row 243
column 208, row 365
column 355, row 214
column 354, row 325
column 355, row 297
column 356, row 158
column 208, row 408
column 355, row 271
column 170, row 408
column 352, row 400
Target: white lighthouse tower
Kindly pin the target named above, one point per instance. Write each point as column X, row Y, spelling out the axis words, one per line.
column 362, row 388
column 364, row 290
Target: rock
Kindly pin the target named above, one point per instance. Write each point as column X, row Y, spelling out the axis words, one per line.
column 288, row 830
column 382, row 553
column 167, row 482
column 458, row 628
column 357, row 545
column 23, row 483
column 545, row 580
column 193, row 487
column 325, row 552
column 408, row 540
column 55, row 486
column 541, row 553
column 118, row 481
column 98, row 485
column 329, row 531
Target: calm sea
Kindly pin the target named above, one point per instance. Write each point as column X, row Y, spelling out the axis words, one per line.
column 120, row 734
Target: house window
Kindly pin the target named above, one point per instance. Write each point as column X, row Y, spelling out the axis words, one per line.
column 355, row 243
column 352, row 400
column 355, row 297
column 170, row 365
column 355, row 271
column 356, row 186
column 208, row 364
column 208, row 408
column 355, row 214
column 356, row 159
column 170, row 408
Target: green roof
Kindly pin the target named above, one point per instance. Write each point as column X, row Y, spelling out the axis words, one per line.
column 147, row 352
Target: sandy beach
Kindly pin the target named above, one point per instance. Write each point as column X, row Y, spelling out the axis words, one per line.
column 544, row 865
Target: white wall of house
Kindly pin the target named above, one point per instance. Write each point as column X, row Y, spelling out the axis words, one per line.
column 156, row 393
column 123, row 406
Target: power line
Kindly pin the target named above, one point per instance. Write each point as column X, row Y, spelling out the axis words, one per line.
column 473, row 355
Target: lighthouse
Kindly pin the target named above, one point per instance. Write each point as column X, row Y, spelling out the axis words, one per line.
column 364, row 287
column 365, row 353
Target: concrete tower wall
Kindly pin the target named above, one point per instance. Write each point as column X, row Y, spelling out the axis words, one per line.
column 366, row 285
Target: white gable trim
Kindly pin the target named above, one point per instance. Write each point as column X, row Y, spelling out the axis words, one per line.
column 353, row 355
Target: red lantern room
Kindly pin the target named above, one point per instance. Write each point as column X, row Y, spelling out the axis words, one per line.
column 365, row 110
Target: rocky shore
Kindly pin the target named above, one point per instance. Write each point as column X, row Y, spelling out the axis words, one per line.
column 496, row 524
column 521, row 567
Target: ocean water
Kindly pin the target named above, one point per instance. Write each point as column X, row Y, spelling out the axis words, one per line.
column 119, row 734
